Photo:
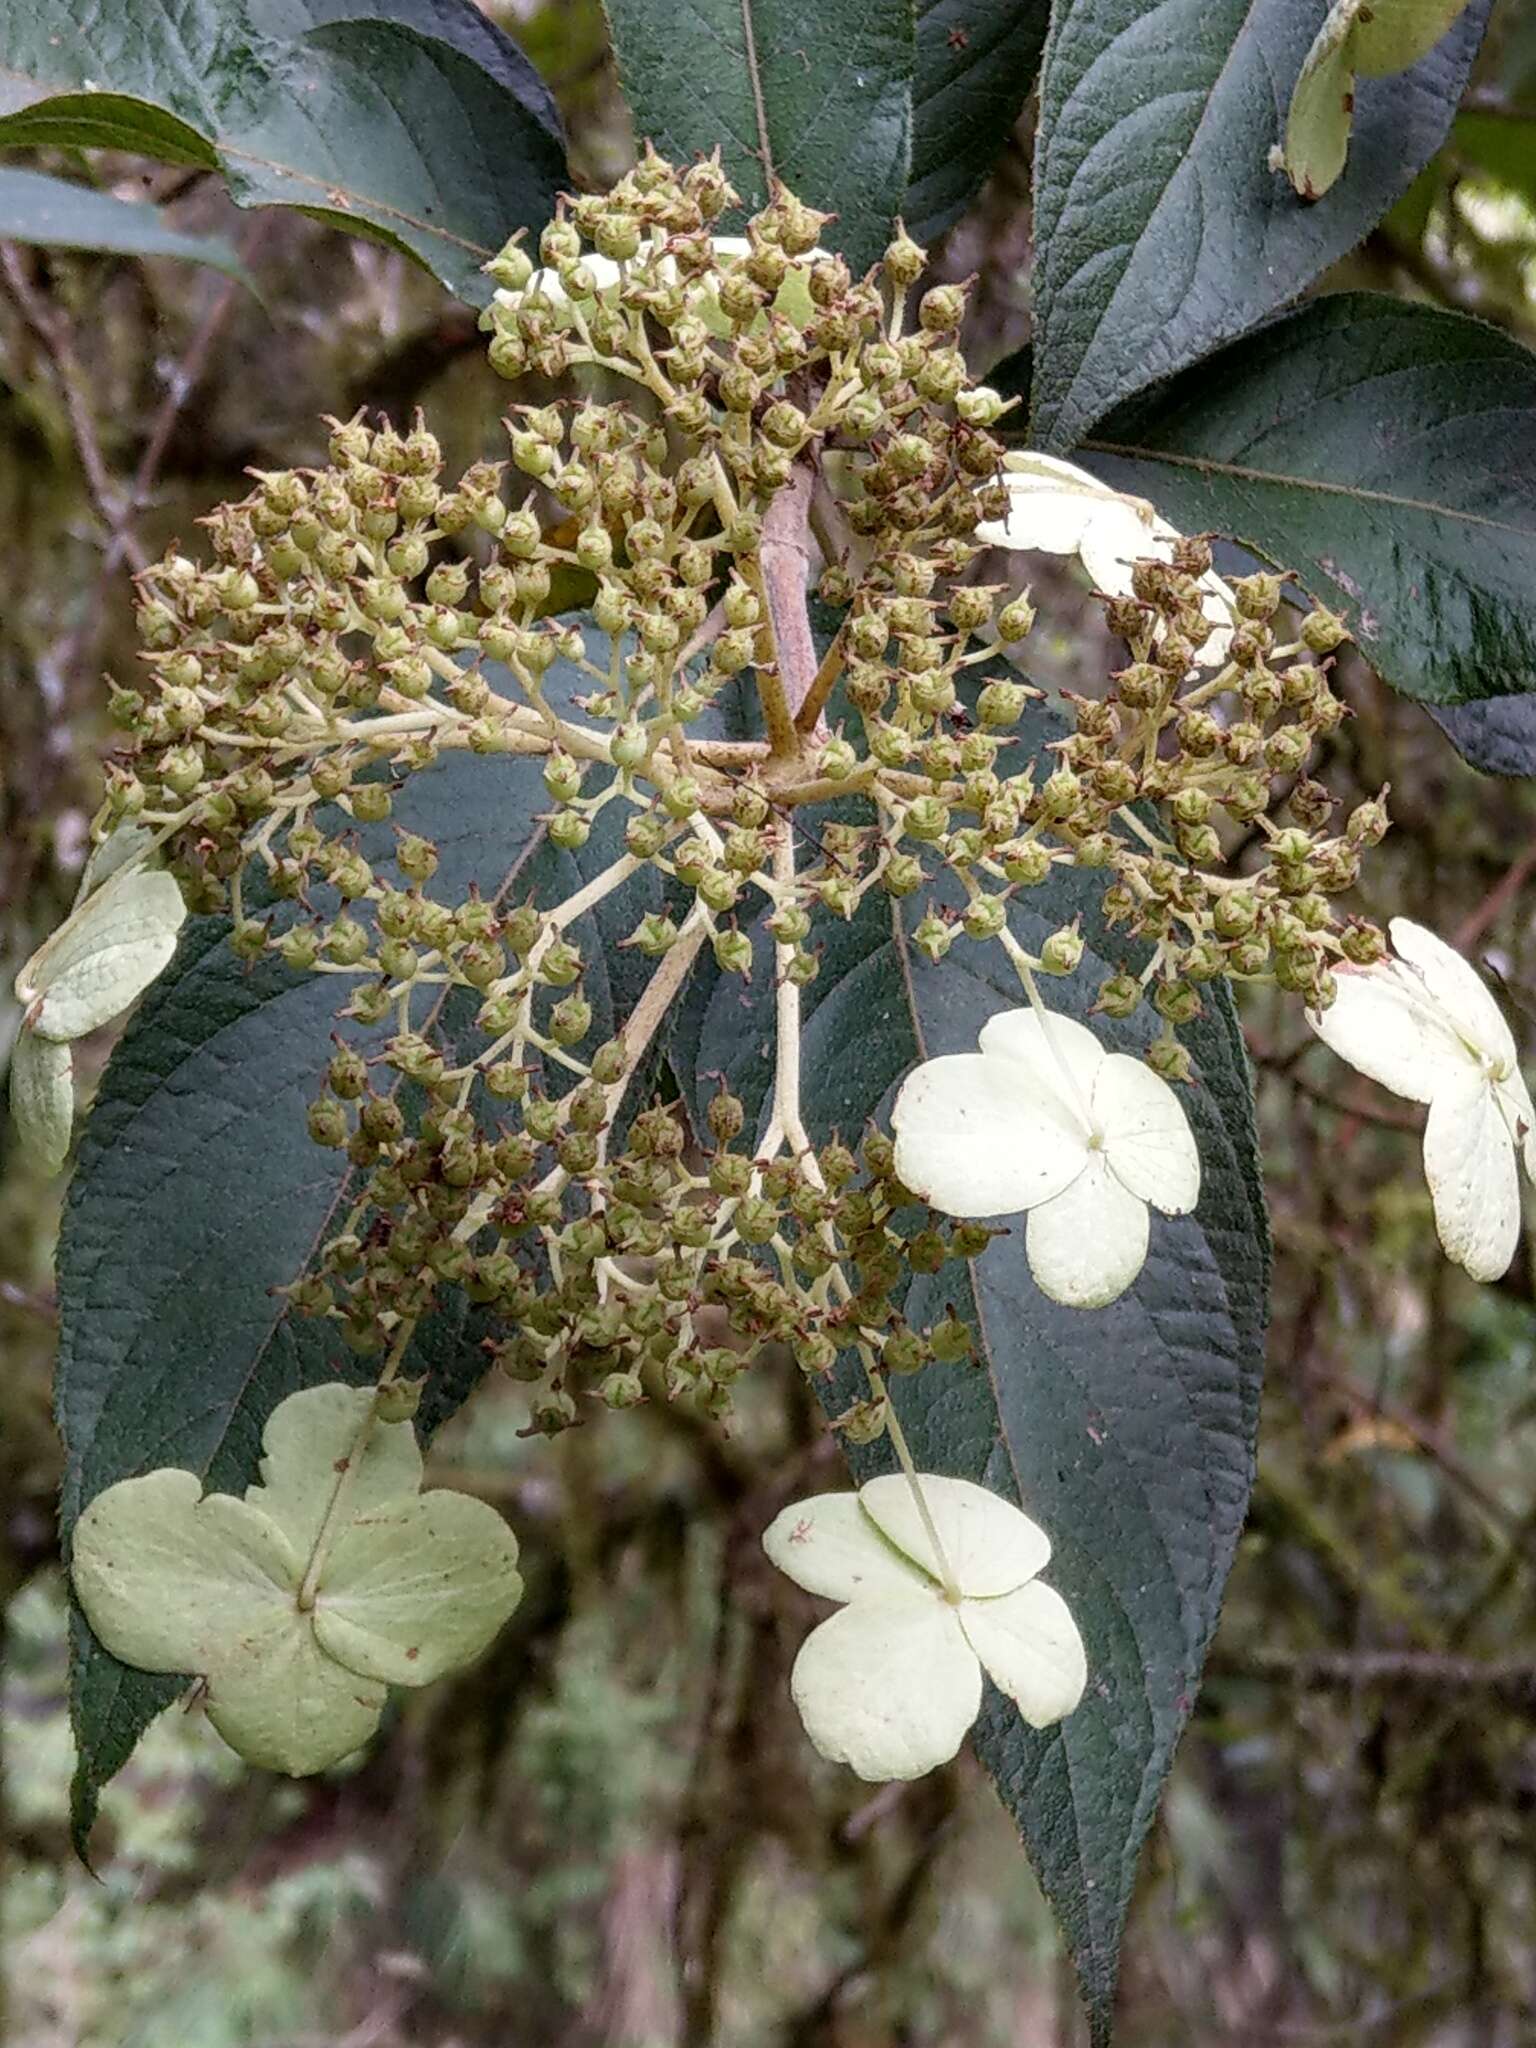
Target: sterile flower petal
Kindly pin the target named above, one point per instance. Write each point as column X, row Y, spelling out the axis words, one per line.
column 168, row 1577
column 1147, row 1138
column 975, row 1138
column 418, row 1587
column 1456, row 986
column 308, row 1439
column 1086, row 1245
column 1385, row 1026
column 992, row 1546
column 1030, row 1649
column 1469, row 1162
column 1116, row 538
column 829, row 1545
column 106, row 954
column 286, row 1706
column 1040, row 521
column 1021, row 1035
column 889, row 1686
column 1514, row 1100
column 42, row 1098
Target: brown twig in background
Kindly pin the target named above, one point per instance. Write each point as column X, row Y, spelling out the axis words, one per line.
column 51, row 329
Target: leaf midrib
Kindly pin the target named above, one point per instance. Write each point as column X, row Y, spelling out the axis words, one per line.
column 363, row 203
column 1321, row 487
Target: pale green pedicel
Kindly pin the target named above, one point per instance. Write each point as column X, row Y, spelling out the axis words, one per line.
column 408, row 1586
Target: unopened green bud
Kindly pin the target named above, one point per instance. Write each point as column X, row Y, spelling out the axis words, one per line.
column 1015, row 619
column 733, row 952
column 1368, row 823
column 1062, row 951
column 1167, row 1057
column 951, row 1341
column 1001, row 703
column 328, row 1124
column 933, row 938
column 1322, row 631
column 1119, row 995
column 570, row 830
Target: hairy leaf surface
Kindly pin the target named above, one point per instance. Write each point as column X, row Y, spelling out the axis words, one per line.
column 1162, row 230
column 418, row 122
column 976, row 64
column 1385, row 454
column 815, row 92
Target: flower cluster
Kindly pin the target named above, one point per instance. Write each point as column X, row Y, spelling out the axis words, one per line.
column 751, row 783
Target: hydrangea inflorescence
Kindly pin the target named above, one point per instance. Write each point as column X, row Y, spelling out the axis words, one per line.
column 788, row 427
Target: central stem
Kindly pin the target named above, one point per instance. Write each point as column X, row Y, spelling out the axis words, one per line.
column 1026, row 974
column 898, row 1438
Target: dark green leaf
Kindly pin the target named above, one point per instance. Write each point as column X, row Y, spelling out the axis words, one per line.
column 816, row 92
column 57, row 214
column 976, row 63
column 1498, row 735
column 1128, row 1431
column 1162, row 230
column 198, row 1193
column 417, row 122
column 1385, row 453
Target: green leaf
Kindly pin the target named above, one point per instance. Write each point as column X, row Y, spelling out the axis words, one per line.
column 815, row 92
column 416, row 122
column 1498, row 735
column 198, row 1192
column 1128, row 1432
column 976, row 64
column 1385, row 454
column 58, row 214
column 1162, row 230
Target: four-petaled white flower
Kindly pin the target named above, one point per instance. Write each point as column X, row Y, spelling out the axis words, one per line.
column 1424, row 1026
column 891, row 1684
column 1058, row 509
column 1081, row 1138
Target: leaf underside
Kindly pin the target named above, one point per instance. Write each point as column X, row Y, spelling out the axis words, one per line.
column 56, row 213
column 1384, row 453
column 417, row 122
column 1162, row 230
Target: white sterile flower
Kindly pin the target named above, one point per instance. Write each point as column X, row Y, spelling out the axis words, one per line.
column 1424, row 1026
column 1081, row 1138
column 1058, row 509
column 891, row 1684
column 120, row 934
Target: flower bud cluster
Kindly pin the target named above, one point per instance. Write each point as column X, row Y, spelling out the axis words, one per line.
column 355, row 622
column 651, row 1284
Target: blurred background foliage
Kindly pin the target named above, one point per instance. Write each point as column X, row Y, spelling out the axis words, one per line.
column 613, row 1831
